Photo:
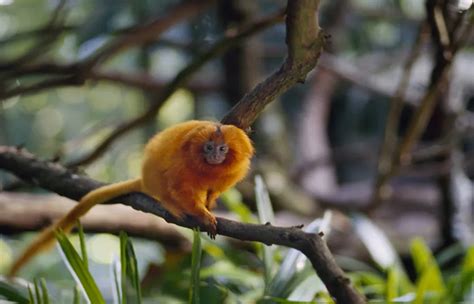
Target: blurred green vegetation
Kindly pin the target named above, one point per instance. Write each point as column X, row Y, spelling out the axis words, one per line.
column 216, row 272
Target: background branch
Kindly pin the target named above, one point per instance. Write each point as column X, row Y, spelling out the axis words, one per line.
column 305, row 43
column 402, row 154
column 76, row 73
column 32, row 212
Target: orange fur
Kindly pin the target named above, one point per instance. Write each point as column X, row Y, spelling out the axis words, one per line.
column 175, row 173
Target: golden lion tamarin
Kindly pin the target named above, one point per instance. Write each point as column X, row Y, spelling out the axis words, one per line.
column 185, row 167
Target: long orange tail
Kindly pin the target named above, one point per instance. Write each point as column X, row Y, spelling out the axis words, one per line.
column 47, row 237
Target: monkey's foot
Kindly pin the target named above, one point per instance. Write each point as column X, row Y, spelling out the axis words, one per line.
column 211, row 225
column 206, row 218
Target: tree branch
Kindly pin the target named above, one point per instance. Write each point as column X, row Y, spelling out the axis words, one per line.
column 32, row 212
column 386, row 162
column 76, row 73
column 181, row 78
column 305, row 43
column 144, row 33
column 56, row 178
column 444, row 58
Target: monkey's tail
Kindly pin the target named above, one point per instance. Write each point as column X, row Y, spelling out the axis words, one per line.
column 98, row 196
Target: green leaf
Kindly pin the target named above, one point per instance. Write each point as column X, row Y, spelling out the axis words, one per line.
column 131, row 291
column 273, row 300
column 232, row 274
column 195, row 268
column 232, row 199
column 306, row 290
column 12, row 293
column 44, row 291
column 460, row 285
column 397, row 284
column 78, row 269
column 468, row 263
column 265, row 215
column 77, row 295
column 292, row 270
column 116, row 280
column 393, row 282
column 37, row 292
column 82, row 242
column 123, row 267
column 264, row 205
column 375, row 240
column 30, row 295
column 430, row 282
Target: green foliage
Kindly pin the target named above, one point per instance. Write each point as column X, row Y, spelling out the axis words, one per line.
column 265, row 215
column 79, row 269
column 82, row 243
column 217, row 272
column 195, row 268
column 13, row 293
column 131, row 290
column 391, row 284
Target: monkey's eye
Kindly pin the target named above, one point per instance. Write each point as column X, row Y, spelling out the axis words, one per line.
column 209, row 146
column 223, row 148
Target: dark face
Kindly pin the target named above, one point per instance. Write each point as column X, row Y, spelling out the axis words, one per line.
column 215, row 152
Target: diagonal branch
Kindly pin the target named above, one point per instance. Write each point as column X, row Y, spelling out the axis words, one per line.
column 145, row 33
column 54, row 177
column 402, row 153
column 76, row 73
column 305, row 43
column 181, row 78
column 386, row 162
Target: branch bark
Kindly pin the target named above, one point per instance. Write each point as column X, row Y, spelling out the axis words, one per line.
column 305, row 43
column 56, row 178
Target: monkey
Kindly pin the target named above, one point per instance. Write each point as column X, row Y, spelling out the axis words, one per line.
column 185, row 167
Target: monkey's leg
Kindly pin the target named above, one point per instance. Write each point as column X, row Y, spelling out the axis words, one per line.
column 194, row 203
column 211, row 199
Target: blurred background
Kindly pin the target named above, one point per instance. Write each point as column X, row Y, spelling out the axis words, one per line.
column 334, row 143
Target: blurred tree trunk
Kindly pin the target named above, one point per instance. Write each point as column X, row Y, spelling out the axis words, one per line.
column 242, row 63
column 140, row 10
column 313, row 141
column 442, row 123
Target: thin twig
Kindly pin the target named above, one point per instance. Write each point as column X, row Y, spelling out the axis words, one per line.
column 417, row 124
column 148, row 83
column 77, row 72
column 386, row 161
column 44, row 41
column 42, row 85
column 145, row 33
